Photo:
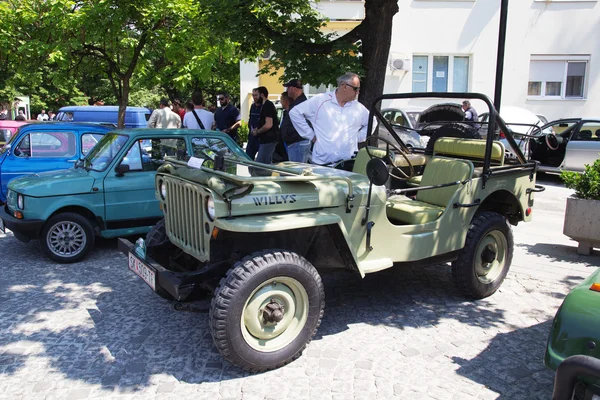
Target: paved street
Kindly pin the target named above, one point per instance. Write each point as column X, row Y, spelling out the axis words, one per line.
column 94, row 330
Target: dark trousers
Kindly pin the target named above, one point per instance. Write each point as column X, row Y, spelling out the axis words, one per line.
column 252, row 146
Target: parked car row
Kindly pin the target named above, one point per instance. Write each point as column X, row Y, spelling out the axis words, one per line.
column 108, row 192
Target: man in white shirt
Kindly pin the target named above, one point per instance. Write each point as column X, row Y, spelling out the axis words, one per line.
column 42, row 116
column 164, row 117
column 198, row 118
column 339, row 121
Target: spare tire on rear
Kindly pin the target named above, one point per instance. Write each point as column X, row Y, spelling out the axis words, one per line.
column 456, row 130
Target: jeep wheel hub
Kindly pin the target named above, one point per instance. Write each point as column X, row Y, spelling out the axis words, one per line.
column 274, row 314
column 490, row 256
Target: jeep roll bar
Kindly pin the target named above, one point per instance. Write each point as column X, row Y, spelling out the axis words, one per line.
column 493, row 120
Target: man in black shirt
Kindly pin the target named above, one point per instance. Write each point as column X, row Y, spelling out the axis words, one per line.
column 253, row 143
column 297, row 147
column 267, row 127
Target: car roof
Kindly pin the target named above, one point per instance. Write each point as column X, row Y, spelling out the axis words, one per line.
column 173, row 132
column 100, row 108
column 9, row 123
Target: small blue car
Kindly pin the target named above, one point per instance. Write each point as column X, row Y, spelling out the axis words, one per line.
column 49, row 146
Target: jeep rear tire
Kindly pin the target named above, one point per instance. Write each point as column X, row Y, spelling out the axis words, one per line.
column 266, row 310
column 67, row 237
column 485, row 260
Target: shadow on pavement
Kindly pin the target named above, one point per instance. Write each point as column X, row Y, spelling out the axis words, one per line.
column 561, row 252
column 512, row 365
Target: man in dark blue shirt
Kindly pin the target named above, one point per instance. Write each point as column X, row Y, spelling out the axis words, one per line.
column 227, row 117
column 253, row 142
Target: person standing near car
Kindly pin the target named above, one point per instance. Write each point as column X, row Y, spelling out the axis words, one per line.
column 267, row 127
column 470, row 113
column 227, row 117
column 196, row 117
column 253, row 142
column 164, row 117
column 42, row 116
column 297, row 146
column 337, row 121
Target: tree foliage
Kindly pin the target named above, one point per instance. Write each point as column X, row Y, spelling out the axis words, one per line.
column 111, row 44
column 293, row 30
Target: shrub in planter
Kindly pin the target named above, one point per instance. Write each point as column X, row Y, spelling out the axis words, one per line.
column 586, row 185
column 582, row 216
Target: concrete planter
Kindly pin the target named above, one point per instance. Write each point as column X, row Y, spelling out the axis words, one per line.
column 582, row 223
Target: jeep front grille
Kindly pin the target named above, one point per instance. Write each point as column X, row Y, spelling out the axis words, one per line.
column 184, row 217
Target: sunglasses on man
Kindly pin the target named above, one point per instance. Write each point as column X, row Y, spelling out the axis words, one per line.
column 356, row 88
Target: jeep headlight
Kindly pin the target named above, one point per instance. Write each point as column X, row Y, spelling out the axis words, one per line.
column 163, row 190
column 209, row 205
column 20, row 202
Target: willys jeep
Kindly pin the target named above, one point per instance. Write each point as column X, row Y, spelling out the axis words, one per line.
column 258, row 234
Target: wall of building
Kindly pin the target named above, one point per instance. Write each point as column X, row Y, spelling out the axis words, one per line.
column 470, row 28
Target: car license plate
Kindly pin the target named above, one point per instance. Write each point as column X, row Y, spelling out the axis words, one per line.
column 2, row 226
column 142, row 271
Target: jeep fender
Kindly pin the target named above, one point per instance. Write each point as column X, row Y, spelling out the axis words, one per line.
column 321, row 226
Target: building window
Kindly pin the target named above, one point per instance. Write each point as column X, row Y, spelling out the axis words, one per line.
column 557, row 77
column 440, row 73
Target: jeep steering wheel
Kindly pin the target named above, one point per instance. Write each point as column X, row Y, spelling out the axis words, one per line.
column 552, row 141
column 391, row 159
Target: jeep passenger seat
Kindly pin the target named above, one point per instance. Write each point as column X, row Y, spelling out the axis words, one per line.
column 430, row 204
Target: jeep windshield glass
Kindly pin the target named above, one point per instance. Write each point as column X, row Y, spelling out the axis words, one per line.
column 104, row 152
column 208, row 148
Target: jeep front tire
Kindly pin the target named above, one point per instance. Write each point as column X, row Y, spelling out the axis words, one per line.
column 266, row 310
column 485, row 260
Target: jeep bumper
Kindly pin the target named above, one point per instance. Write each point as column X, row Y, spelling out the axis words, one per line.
column 23, row 229
column 180, row 285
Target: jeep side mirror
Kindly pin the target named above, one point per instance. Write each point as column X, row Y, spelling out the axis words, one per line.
column 377, row 172
column 121, row 169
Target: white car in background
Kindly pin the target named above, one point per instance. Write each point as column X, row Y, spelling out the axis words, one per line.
column 405, row 124
column 522, row 122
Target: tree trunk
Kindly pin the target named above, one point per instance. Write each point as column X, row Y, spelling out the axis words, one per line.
column 123, row 101
column 376, row 35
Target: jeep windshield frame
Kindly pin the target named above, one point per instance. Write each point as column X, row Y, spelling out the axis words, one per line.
column 494, row 118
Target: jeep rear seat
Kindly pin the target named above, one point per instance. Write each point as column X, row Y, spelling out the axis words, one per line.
column 469, row 149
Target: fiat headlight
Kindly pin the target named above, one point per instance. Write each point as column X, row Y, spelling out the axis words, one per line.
column 163, row 190
column 209, row 204
column 20, row 202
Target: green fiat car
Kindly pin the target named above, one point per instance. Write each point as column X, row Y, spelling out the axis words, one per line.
column 109, row 193
column 573, row 346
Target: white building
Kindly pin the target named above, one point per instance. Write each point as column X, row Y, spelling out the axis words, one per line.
column 449, row 45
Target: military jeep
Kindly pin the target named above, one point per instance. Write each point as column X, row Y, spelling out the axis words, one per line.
column 257, row 235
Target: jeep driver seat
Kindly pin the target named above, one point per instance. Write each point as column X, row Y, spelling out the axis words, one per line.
column 430, row 203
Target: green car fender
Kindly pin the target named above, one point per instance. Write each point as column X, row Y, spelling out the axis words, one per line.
column 576, row 326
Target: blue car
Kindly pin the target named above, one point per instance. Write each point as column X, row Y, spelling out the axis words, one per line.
column 46, row 147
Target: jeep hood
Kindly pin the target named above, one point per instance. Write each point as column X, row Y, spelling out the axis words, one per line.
column 54, row 183
column 321, row 188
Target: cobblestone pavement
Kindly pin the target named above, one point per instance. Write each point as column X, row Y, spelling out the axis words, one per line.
column 94, row 330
